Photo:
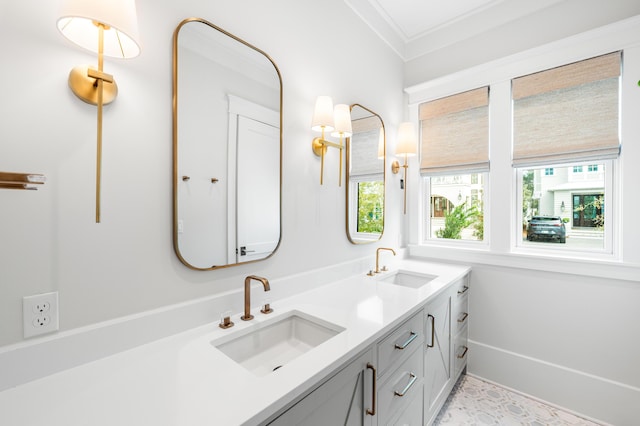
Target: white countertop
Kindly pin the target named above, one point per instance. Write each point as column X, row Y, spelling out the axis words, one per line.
column 183, row 380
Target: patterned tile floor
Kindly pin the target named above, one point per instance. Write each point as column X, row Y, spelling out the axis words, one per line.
column 476, row 402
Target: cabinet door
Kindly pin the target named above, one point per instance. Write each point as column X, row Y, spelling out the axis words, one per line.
column 342, row 400
column 437, row 359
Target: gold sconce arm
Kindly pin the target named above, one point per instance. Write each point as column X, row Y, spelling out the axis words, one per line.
column 319, row 146
column 326, row 118
column 114, row 26
column 407, row 147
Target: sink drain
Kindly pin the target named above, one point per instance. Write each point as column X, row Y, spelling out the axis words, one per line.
column 275, row 368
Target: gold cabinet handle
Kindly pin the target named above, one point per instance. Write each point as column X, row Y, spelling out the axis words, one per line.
column 433, row 330
column 464, row 353
column 404, row 391
column 372, row 411
column 463, row 291
column 463, row 317
column 411, row 338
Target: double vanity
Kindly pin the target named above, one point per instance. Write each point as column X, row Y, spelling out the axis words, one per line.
column 382, row 349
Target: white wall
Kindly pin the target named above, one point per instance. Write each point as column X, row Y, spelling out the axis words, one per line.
column 126, row 264
column 564, row 338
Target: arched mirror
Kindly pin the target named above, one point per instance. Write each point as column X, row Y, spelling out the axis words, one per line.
column 365, row 176
column 227, row 143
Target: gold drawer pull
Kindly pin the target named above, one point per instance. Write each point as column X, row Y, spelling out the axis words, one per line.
column 463, row 317
column 372, row 411
column 433, row 330
column 463, row 291
column 404, row 391
column 411, row 338
column 464, row 353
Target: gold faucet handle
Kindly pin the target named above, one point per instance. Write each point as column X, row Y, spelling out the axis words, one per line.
column 266, row 306
column 225, row 321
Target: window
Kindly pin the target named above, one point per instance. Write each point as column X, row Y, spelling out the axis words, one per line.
column 456, row 207
column 370, row 219
column 577, row 205
column 454, row 162
column 562, row 118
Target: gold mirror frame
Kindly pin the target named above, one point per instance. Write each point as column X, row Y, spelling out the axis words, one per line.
column 180, row 178
column 351, row 187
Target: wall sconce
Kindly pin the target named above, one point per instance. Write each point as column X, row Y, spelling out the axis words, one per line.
column 107, row 28
column 407, row 146
column 338, row 122
column 459, row 195
column 562, row 207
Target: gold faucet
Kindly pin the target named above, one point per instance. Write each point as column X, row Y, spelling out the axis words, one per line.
column 247, row 296
column 384, row 268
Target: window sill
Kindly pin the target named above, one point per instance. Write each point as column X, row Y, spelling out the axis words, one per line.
column 530, row 260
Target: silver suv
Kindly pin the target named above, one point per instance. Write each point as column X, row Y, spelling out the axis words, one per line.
column 546, row 228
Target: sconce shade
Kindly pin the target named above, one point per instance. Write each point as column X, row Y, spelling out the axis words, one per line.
column 407, row 141
column 121, row 38
column 323, row 114
column 342, row 121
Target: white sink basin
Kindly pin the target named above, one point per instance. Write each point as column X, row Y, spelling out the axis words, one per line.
column 269, row 345
column 408, row 278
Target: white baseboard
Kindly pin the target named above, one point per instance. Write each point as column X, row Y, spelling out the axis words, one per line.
column 592, row 397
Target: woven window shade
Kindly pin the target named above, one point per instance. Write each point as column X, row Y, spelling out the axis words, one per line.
column 363, row 146
column 455, row 133
column 569, row 113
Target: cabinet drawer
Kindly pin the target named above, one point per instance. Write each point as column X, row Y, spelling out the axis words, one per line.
column 398, row 344
column 412, row 415
column 401, row 387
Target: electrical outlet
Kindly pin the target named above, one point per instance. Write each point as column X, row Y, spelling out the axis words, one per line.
column 40, row 314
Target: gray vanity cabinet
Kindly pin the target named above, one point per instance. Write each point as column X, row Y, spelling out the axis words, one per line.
column 343, row 399
column 446, row 347
column 415, row 366
column 437, row 354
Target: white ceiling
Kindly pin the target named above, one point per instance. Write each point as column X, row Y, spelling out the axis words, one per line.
column 416, row 27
